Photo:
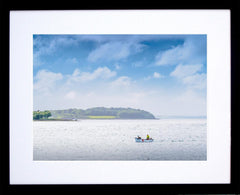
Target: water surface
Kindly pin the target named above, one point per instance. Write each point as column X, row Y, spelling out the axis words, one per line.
column 174, row 139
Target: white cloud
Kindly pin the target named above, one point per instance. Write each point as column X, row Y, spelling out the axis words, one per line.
column 117, row 66
column 155, row 75
column 171, row 56
column 45, row 81
column 190, row 76
column 72, row 61
column 46, row 46
column 193, row 50
column 99, row 73
column 122, row 81
column 197, row 81
column 70, row 95
column 103, row 73
column 182, row 71
column 114, row 51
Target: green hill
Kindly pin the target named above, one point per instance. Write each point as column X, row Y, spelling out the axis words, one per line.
column 102, row 113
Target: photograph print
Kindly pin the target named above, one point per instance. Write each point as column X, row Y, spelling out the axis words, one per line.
column 139, row 97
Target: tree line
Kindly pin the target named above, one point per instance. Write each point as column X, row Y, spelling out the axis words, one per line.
column 37, row 115
column 118, row 113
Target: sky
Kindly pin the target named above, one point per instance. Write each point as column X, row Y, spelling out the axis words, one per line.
column 162, row 74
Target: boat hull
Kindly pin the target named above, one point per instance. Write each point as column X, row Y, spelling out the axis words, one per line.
column 143, row 140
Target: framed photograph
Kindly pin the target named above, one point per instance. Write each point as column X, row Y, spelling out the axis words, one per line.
column 120, row 97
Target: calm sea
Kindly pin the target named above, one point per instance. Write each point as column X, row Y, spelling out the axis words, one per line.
column 174, row 139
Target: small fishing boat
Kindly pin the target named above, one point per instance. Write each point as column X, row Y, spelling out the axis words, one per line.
column 143, row 140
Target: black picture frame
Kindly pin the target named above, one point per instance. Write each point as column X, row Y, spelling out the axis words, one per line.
column 232, row 188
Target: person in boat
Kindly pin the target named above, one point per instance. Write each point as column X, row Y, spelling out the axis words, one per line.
column 148, row 137
column 138, row 137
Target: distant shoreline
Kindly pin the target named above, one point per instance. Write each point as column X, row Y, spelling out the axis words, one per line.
column 163, row 118
column 101, row 113
column 92, row 119
column 54, row 119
